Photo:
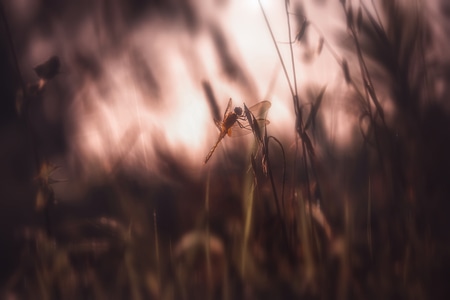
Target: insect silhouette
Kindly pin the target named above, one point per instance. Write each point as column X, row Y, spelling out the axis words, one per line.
column 235, row 122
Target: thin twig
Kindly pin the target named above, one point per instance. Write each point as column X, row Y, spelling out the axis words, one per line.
column 276, row 46
column 290, row 46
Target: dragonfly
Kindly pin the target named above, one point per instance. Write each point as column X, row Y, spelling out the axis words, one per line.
column 235, row 122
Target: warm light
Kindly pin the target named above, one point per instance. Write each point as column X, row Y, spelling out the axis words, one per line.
column 149, row 87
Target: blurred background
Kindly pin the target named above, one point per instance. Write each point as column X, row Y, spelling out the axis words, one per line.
column 108, row 110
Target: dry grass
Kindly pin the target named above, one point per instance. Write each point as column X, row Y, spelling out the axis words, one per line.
column 270, row 224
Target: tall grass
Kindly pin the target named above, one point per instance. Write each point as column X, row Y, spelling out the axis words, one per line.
column 313, row 223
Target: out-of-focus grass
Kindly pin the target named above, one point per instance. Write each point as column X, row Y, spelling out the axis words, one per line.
column 360, row 225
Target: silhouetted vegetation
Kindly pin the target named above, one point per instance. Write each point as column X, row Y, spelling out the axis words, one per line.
column 299, row 221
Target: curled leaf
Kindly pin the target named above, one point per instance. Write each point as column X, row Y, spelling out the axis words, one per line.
column 253, row 123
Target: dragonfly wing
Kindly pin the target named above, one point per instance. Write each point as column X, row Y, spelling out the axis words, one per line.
column 228, row 108
column 244, row 128
column 259, row 110
column 240, row 128
column 218, row 124
column 256, row 117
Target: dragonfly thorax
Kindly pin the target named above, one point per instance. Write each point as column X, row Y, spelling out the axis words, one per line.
column 234, row 122
column 229, row 121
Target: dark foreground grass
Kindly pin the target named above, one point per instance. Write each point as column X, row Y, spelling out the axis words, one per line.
column 308, row 223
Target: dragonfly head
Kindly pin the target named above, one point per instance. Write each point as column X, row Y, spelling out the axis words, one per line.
column 238, row 111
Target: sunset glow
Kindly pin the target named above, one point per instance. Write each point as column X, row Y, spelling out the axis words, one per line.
column 147, row 86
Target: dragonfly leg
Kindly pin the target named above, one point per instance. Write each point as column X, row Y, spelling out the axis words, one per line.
column 241, row 125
